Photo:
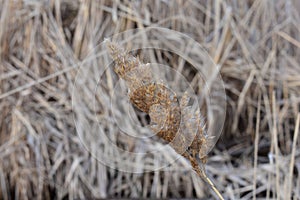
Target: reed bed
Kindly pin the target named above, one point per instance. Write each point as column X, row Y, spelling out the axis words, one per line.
column 43, row 46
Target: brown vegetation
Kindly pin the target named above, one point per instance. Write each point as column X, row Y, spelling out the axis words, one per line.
column 256, row 44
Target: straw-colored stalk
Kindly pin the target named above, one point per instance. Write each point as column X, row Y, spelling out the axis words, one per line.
column 171, row 119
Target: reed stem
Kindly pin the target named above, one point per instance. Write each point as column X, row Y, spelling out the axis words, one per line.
column 211, row 184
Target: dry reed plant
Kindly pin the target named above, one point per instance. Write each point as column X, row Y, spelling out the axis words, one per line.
column 171, row 119
column 256, row 43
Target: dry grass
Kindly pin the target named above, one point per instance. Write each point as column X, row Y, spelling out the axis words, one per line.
column 256, row 43
column 172, row 119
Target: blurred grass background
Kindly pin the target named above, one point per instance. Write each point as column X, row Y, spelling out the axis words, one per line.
column 256, row 43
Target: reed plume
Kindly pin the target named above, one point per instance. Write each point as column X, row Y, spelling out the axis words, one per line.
column 171, row 118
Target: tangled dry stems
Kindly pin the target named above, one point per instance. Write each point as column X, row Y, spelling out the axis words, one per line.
column 256, row 43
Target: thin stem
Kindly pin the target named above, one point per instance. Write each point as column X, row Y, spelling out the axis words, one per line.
column 200, row 170
column 211, row 184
